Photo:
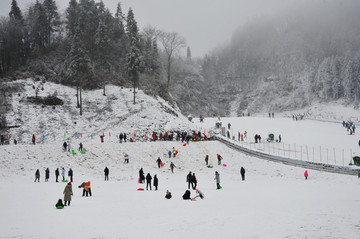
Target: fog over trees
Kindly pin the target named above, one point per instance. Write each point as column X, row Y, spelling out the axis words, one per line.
column 308, row 53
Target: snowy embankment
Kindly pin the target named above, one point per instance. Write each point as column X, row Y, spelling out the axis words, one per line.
column 273, row 202
column 110, row 114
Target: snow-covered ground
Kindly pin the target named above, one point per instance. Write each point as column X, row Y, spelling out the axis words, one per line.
column 273, row 202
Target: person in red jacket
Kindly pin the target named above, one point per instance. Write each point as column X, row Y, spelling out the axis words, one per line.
column 306, row 174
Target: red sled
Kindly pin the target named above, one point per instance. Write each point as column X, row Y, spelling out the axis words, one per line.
column 184, row 144
column 176, row 152
column 161, row 164
column 140, row 189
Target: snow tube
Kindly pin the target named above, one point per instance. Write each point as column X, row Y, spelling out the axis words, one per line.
column 224, row 165
column 64, row 181
column 73, row 152
column 140, row 189
column 139, row 180
column 220, row 187
column 210, row 166
column 184, row 144
column 82, row 152
column 59, row 207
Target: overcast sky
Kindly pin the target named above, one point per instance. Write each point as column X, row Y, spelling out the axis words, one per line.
column 204, row 23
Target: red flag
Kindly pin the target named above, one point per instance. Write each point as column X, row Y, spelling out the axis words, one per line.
column 109, row 133
column 81, row 135
column 9, row 136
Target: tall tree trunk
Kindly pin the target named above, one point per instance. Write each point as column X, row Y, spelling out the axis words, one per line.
column 104, row 94
column 169, row 74
column 134, row 92
column 77, row 97
column 81, row 110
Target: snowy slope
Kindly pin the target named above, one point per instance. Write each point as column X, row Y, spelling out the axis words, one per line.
column 110, row 114
column 273, row 202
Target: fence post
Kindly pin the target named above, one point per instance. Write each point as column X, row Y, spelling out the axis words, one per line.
column 334, row 156
column 307, row 153
column 313, row 154
column 320, row 155
column 327, row 156
column 343, row 156
column 295, row 150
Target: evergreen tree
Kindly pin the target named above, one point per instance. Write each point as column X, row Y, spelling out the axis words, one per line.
column 71, row 18
column 52, row 19
column 79, row 63
column 188, row 53
column 15, row 12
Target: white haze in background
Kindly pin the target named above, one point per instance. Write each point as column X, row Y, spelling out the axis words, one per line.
column 204, row 23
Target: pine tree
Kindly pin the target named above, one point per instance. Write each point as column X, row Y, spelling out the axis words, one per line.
column 52, row 19
column 15, row 12
column 80, row 64
column 71, row 18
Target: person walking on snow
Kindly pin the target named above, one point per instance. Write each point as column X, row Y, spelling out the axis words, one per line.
column 70, row 174
column 242, row 172
column 67, row 194
column 169, row 153
column 158, row 162
column 219, row 159
column 156, row 182
column 193, row 181
column 148, row 181
column 57, row 173
column 217, row 178
column 33, row 139
column 47, row 175
column 188, row 179
column 141, row 175
column 126, row 158
column 63, row 174
column 306, row 174
column 207, row 160
column 174, row 152
column 37, row 176
column 106, row 171
column 172, row 166
column 229, row 125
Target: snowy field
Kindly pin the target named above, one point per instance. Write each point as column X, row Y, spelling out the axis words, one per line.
column 273, row 202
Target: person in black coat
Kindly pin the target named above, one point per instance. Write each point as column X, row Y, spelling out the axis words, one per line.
column 121, row 136
column 148, row 181
column 168, row 194
column 47, row 174
column 125, row 137
column 57, row 173
column 106, row 171
column 59, row 204
column 65, row 146
column 188, row 179
column 141, row 175
column 156, row 182
column 37, row 175
column 186, row 195
column 242, row 171
column 70, row 174
column 193, row 181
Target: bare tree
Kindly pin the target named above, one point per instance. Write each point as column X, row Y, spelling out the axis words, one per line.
column 172, row 42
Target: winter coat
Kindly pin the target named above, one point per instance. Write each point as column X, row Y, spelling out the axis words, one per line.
column 156, row 181
column 168, row 195
column 188, row 177
column 148, row 177
column 186, row 195
column 47, row 173
column 141, row 174
column 70, row 173
column 68, row 192
column 37, row 173
column 242, row 171
column 87, row 186
column 306, row 173
column 63, row 173
column 106, row 171
column 193, row 179
column 57, row 173
column 59, row 203
column 217, row 177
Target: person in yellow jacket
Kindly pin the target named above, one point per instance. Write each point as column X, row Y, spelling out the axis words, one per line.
column 87, row 188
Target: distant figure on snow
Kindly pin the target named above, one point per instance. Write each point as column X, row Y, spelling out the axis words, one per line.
column 172, row 166
column 70, row 174
column 67, row 194
column 242, row 172
column 106, row 171
column 199, row 194
column 168, row 194
column 217, row 178
column 159, row 161
column 229, row 125
column 219, row 159
column 33, row 139
column 126, row 158
column 186, row 195
column 193, row 181
column 148, row 181
column 57, row 173
column 59, row 204
column 188, row 179
column 306, row 174
column 80, row 147
column 37, row 176
column 141, row 175
column 102, row 138
column 64, row 146
column 63, row 174
column 207, row 159
column 47, row 174
column 156, row 182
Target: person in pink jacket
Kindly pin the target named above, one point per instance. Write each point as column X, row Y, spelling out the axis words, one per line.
column 306, row 174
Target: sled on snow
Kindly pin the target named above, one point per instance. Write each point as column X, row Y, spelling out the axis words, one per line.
column 356, row 160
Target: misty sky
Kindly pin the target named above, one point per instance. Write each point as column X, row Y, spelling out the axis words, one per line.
column 204, row 23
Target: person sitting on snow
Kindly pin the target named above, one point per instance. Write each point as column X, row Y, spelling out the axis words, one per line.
column 186, row 195
column 200, row 194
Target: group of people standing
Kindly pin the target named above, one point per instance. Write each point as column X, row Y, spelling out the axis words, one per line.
column 57, row 174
